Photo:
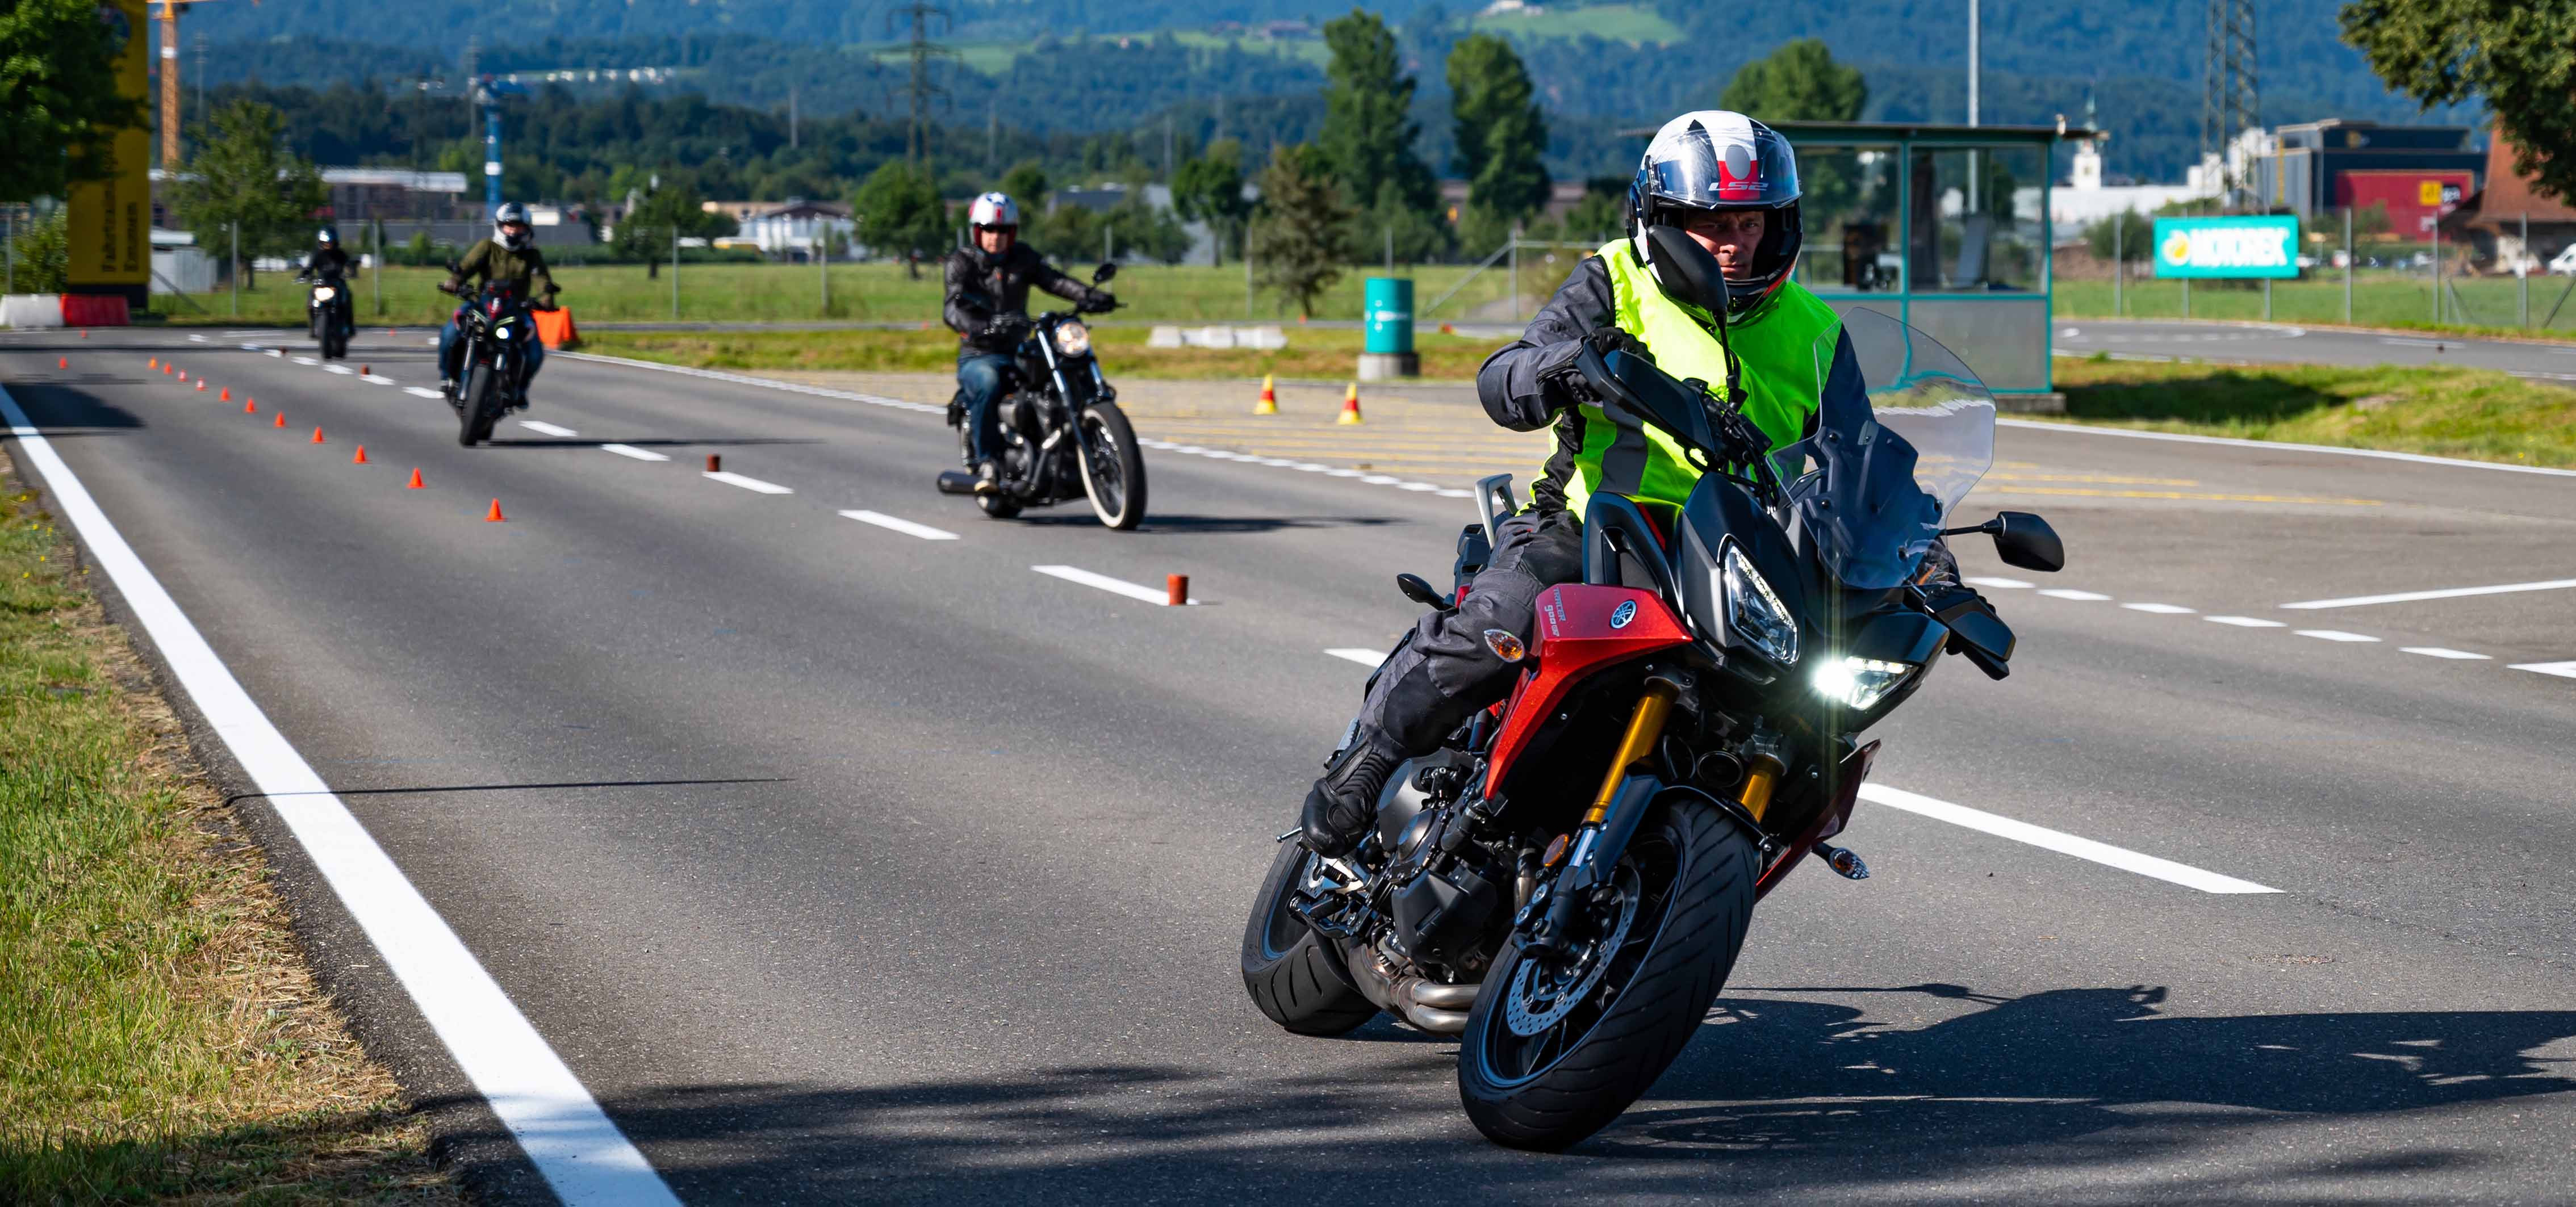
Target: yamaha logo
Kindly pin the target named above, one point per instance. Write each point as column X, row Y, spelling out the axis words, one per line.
column 1624, row 613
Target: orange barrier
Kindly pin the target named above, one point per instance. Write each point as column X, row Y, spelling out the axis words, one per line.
column 555, row 329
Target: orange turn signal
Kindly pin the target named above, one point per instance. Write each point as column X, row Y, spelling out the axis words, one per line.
column 1504, row 645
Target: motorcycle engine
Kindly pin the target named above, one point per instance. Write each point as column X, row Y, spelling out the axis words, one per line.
column 1453, row 890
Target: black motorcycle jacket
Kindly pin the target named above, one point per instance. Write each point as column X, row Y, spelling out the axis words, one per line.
column 327, row 262
column 984, row 287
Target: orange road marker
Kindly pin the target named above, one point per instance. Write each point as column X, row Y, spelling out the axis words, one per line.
column 317, row 435
column 1176, row 590
column 226, row 396
column 364, row 371
column 494, row 515
column 361, row 458
column 201, row 385
column 62, row 362
column 153, row 363
column 414, row 484
column 250, row 405
column 715, row 464
column 281, row 420
column 1350, row 405
column 1269, row 397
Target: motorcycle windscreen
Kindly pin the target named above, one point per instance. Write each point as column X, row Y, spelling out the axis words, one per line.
column 1903, row 432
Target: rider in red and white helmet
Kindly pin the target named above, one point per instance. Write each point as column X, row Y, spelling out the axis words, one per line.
column 988, row 297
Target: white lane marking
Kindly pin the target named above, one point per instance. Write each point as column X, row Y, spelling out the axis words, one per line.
column 2000, row 584
column 2160, row 609
column 730, row 478
column 1309, row 467
column 2277, row 446
column 2412, row 343
column 2335, row 635
column 253, row 348
column 274, row 351
column 306, row 360
column 342, row 370
column 1416, row 486
column 378, row 379
column 878, row 400
column 196, row 339
column 906, row 527
column 566, row 1135
column 629, row 450
column 2079, row 596
column 2356, row 601
column 2564, row 670
column 1367, row 658
column 2059, row 841
column 1380, row 480
column 546, row 429
column 2435, row 651
column 1452, row 492
column 1115, row 586
column 2246, row 622
column 422, row 392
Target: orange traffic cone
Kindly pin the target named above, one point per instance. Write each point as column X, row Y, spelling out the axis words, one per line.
column 1269, row 398
column 281, row 420
column 226, row 396
column 317, row 435
column 494, row 515
column 414, row 484
column 1350, row 405
column 361, row 458
column 153, row 363
column 62, row 362
column 183, row 373
column 250, row 405
column 201, row 385
column 364, row 371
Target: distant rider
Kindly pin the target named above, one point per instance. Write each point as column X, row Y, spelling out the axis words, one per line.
column 327, row 259
column 1731, row 184
column 509, row 256
column 988, row 297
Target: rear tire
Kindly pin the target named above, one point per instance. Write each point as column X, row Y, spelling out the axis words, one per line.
column 1286, row 969
column 474, row 414
column 1522, row 1096
column 1116, row 480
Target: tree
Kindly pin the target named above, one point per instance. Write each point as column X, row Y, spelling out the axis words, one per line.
column 43, row 255
column 1501, row 135
column 244, row 179
column 2513, row 57
column 1800, row 82
column 900, row 214
column 1026, row 183
column 1297, row 240
column 59, row 104
column 669, row 213
column 1209, row 189
column 2128, row 234
column 1368, row 136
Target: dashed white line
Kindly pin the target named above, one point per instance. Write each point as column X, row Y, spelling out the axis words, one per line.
column 196, row 339
column 906, row 527
column 628, row 450
column 2246, row 622
column 2558, row 584
column 306, row 360
column 342, row 370
column 730, row 478
column 1367, row 658
column 2160, row 609
column 2564, row 670
column 1115, row 586
column 2435, row 651
column 2078, row 596
column 2335, row 635
column 546, row 429
column 572, row 1142
column 2000, row 584
column 375, row 378
column 2059, row 841
column 423, row 392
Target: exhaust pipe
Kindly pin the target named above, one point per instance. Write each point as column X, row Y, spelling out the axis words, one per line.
column 1437, row 1008
column 956, row 482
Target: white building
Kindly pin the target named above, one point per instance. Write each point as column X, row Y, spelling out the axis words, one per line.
column 795, row 229
column 2086, row 199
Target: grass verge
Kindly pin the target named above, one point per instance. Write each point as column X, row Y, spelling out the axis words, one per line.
column 160, row 1036
column 1325, row 353
column 2471, row 413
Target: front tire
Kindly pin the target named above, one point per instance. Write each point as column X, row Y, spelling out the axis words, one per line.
column 1286, row 969
column 1115, row 479
column 474, row 412
column 1694, row 872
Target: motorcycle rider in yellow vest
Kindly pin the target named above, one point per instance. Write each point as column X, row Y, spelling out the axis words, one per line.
column 1731, row 184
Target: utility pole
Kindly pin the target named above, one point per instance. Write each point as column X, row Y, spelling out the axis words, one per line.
column 2227, row 103
column 170, row 80
column 921, row 51
column 791, row 117
column 1974, row 47
column 201, row 78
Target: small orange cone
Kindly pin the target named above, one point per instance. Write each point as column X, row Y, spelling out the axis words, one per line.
column 361, row 458
column 364, row 371
column 414, row 484
column 183, row 373
column 1269, row 398
column 153, row 363
column 317, row 435
column 84, row 335
column 201, row 385
column 281, row 420
column 494, row 515
column 1350, row 405
column 62, row 362
column 226, row 396
column 250, row 405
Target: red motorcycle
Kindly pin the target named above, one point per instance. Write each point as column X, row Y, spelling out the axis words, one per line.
column 1566, row 884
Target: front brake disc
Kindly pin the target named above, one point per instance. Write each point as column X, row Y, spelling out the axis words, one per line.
column 1529, row 1007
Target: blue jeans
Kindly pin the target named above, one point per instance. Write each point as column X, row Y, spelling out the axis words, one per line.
column 979, row 374
column 450, row 347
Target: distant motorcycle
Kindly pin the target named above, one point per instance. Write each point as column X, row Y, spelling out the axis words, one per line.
column 498, row 332
column 1062, row 434
column 328, row 312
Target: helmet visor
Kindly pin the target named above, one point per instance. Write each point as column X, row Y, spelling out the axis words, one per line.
column 1705, row 169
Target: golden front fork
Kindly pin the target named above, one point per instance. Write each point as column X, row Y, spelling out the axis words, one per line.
column 1645, row 726
column 1759, row 779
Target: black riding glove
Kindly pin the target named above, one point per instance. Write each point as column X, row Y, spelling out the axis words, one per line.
column 1005, row 327
column 1606, row 340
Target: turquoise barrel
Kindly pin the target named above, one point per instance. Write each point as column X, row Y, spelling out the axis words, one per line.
column 1387, row 305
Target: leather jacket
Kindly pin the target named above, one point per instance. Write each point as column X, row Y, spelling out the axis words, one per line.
column 986, row 290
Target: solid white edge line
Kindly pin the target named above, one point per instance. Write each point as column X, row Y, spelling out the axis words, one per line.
column 1115, row 586
column 1367, row 658
column 629, row 450
column 2564, row 670
column 2556, row 584
column 2059, row 841
column 543, row 428
column 566, row 1135
column 2382, row 454
column 906, row 527
column 730, row 478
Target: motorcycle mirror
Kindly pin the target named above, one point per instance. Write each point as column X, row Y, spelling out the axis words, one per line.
column 1685, row 269
column 2022, row 539
column 1101, row 275
column 1420, row 592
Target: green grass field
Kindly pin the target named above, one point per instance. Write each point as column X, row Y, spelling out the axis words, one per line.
column 2472, row 413
column 1195, row 293
column 1324, row 354
column 2379, row 299
column 160, row 1036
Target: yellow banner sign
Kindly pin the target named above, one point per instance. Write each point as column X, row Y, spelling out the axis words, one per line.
column 110, row 220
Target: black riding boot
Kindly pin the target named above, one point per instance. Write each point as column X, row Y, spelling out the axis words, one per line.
column 1343, row 804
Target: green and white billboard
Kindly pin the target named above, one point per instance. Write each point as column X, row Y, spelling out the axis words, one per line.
column 2259, row 246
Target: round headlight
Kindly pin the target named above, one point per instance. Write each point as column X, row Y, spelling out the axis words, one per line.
column 1072, row 338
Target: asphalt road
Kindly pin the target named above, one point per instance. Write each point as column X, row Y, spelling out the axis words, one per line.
column 841, row 863
column 2284, row 342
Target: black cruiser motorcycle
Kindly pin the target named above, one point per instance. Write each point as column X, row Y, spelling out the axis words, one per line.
column 498, row 331
column 1062, row 434
column 1566, row 884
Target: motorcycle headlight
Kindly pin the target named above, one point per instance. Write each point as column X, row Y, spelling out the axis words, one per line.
column 1859, row 682
column 324, row 294
column 1072, row 339
column 1753, row 612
